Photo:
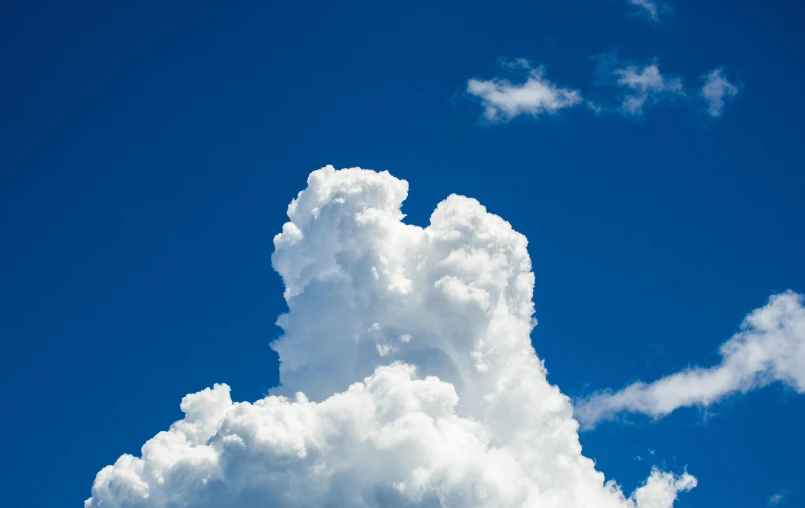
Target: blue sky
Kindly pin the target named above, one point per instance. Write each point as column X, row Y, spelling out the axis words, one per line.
column 149, row 153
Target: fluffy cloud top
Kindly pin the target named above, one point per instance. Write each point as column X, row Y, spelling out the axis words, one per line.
column 503, row 100
column 716, row 90
column 412, row 347
column 769, row 347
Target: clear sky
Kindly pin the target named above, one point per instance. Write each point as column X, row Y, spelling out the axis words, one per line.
column 148, row 153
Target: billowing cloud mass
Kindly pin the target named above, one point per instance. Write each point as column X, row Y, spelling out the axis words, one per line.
column 716, row 90
column 421, row 387
column 769, row 347
column 503, row 100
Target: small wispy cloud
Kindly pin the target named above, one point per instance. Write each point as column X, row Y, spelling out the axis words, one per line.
column 648, row 86
column 503, row 100
column 769, row 347
column 653, row 9
column 777, row 499
column 642, row 85
column 621, row 86
column 716, row 90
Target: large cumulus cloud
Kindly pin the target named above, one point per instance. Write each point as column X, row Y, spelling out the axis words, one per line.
column 408, row 377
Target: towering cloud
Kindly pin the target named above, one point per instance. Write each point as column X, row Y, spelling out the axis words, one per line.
column 770, row 347
column 421, row 387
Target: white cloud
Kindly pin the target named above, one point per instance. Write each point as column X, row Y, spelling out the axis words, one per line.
column 716, row 90
column 456, row 411
column 647, row 86
column 637, row 86
column 631, row 88
column 503, row 100
column 777, row 499
column 651, row 8
column 769, row 347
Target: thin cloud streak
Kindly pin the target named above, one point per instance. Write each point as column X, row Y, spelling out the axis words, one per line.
column 770, row 347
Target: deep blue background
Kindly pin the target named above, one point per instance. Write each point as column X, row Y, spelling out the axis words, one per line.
column 148, row 152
